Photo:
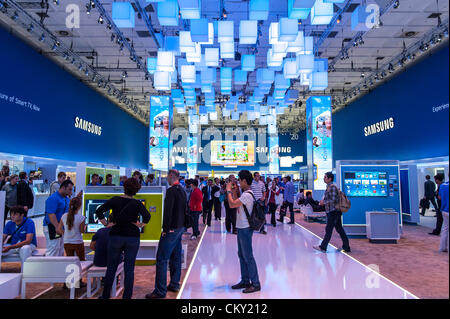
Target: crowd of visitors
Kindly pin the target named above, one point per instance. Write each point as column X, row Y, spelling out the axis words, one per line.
column 226, row 199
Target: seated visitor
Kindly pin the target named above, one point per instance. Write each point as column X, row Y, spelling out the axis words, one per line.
column 99, row 244
column 19, row 235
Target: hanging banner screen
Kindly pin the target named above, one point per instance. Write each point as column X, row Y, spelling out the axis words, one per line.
column 160, row 122
column 274, row 159
column 319, row 134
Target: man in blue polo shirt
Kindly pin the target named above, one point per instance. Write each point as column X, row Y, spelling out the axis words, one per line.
column 56, row 206
column 20, row 234
column 95, row 180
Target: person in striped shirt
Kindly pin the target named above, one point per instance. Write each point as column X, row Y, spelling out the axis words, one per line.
column 259, row 190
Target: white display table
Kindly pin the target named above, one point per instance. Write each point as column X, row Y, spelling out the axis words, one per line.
column 10, row 285
column 382, row 226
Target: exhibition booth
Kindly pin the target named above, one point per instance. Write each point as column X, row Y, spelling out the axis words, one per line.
column 380, row 147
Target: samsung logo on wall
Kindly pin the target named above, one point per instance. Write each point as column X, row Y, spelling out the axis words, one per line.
column 379, row 127
column 88, row 126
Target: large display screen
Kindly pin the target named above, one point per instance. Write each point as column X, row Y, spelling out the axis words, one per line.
column 366, row 184
column 160, row 123
column 92, row 222
column 233, row 153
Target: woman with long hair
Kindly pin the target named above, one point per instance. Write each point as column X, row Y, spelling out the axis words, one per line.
column 72, row 224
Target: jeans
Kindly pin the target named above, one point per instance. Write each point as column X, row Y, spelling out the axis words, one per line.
column 195, row 218
column 249, row 271
column 444, row 233
column 334, row 221
column 116, row 245
column 169, row 252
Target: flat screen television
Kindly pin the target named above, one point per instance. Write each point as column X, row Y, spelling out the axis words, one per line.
column 92, row 222
column 233, row 153
column 365, row 184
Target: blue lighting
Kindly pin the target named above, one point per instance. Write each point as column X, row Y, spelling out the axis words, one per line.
column 123, row 14
column 199, row 30
column 321, row 12
column 240, row 77
column 190, row 9
column 167, row 13
column 248, row 62
column 258, row 9
column 299, row 9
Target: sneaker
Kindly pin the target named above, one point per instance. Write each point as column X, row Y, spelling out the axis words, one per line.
column 241, row 285
column 251, row 289
column 153, row 296
column 433, row 233
column 291, row 223
column 235, row 232
column 173, row 289
column 318, row 248
column 346, row 250
column 193, row 237
column 263, row 232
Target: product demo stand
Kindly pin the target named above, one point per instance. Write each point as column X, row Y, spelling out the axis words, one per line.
column 150, row 196
column 374, row 189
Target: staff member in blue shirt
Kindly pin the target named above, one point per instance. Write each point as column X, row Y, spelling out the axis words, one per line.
column 20, row 234
column 444, row 197
column 55, row 206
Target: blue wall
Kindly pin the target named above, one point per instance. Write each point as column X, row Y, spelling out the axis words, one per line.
column 61, row 97
column 409, row 98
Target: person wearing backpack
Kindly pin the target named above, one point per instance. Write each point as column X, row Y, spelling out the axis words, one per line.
column 249, row 271
column 331, row 200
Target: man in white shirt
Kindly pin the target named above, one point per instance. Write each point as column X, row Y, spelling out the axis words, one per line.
column 249, row 270
column 259, row 190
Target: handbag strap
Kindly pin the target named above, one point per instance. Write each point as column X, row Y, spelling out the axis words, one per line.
column 18, row 228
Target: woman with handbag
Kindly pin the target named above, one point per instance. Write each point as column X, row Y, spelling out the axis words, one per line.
column 124, row 236
column 271, row 201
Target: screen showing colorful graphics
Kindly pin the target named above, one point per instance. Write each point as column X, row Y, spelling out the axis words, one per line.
column 233, row 153
column 319, row 117
column 192, row 157
column 274, row 157
column 160, row 122
column 92, row 222
column 366, row 184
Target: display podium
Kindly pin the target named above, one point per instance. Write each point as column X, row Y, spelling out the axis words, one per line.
column 150, row 196
column 370, row 186
column 382, row 226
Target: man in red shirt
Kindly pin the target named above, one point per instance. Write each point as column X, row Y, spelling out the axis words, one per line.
column 195, row 207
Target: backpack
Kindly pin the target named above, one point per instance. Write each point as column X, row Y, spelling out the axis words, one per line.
column 344, row 202
column 258, row 217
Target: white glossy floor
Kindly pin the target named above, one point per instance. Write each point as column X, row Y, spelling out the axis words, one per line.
column 288, row 269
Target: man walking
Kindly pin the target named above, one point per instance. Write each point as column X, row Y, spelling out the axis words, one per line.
column 289, row 191
column 439, row 179
column 216, row 200
column 169, row 247
column 230, row 213
column 207, row 202
column 429, row 188
column 54, row 186
column 331, row 202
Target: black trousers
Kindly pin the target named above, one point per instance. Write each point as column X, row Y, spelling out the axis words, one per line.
column 230, row 218
column 217, row 208
column 439, row 222
column 291, row 209
column 427, row 202
column 334, row 221
column 272, row 210
column 207, row 211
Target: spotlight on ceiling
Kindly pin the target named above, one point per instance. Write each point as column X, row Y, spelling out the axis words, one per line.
column 30, row 28
column 391, row 68
column 86, row 72
column 339, row 19
column 15, row 16
column 100, row 19
column 56, row 2
column 396, row 4
column 124, row 74
column 42, row 37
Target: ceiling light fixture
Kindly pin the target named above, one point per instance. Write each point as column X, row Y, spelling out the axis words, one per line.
column 396, row 4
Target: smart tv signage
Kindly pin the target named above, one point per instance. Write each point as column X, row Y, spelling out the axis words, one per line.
column 319, row 136
column 192, row 158
column 232, row 153
column 274, row 157
column 160, row 120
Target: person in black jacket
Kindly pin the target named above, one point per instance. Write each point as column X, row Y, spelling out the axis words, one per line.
column 208, row 200
column 216, row 201
column 429, row 194
column 25, row 196
column 124, row 234
column 169, row 247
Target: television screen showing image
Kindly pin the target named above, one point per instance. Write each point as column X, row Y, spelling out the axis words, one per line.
column 365, row 184
column 92, row 222
column 233, row 153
